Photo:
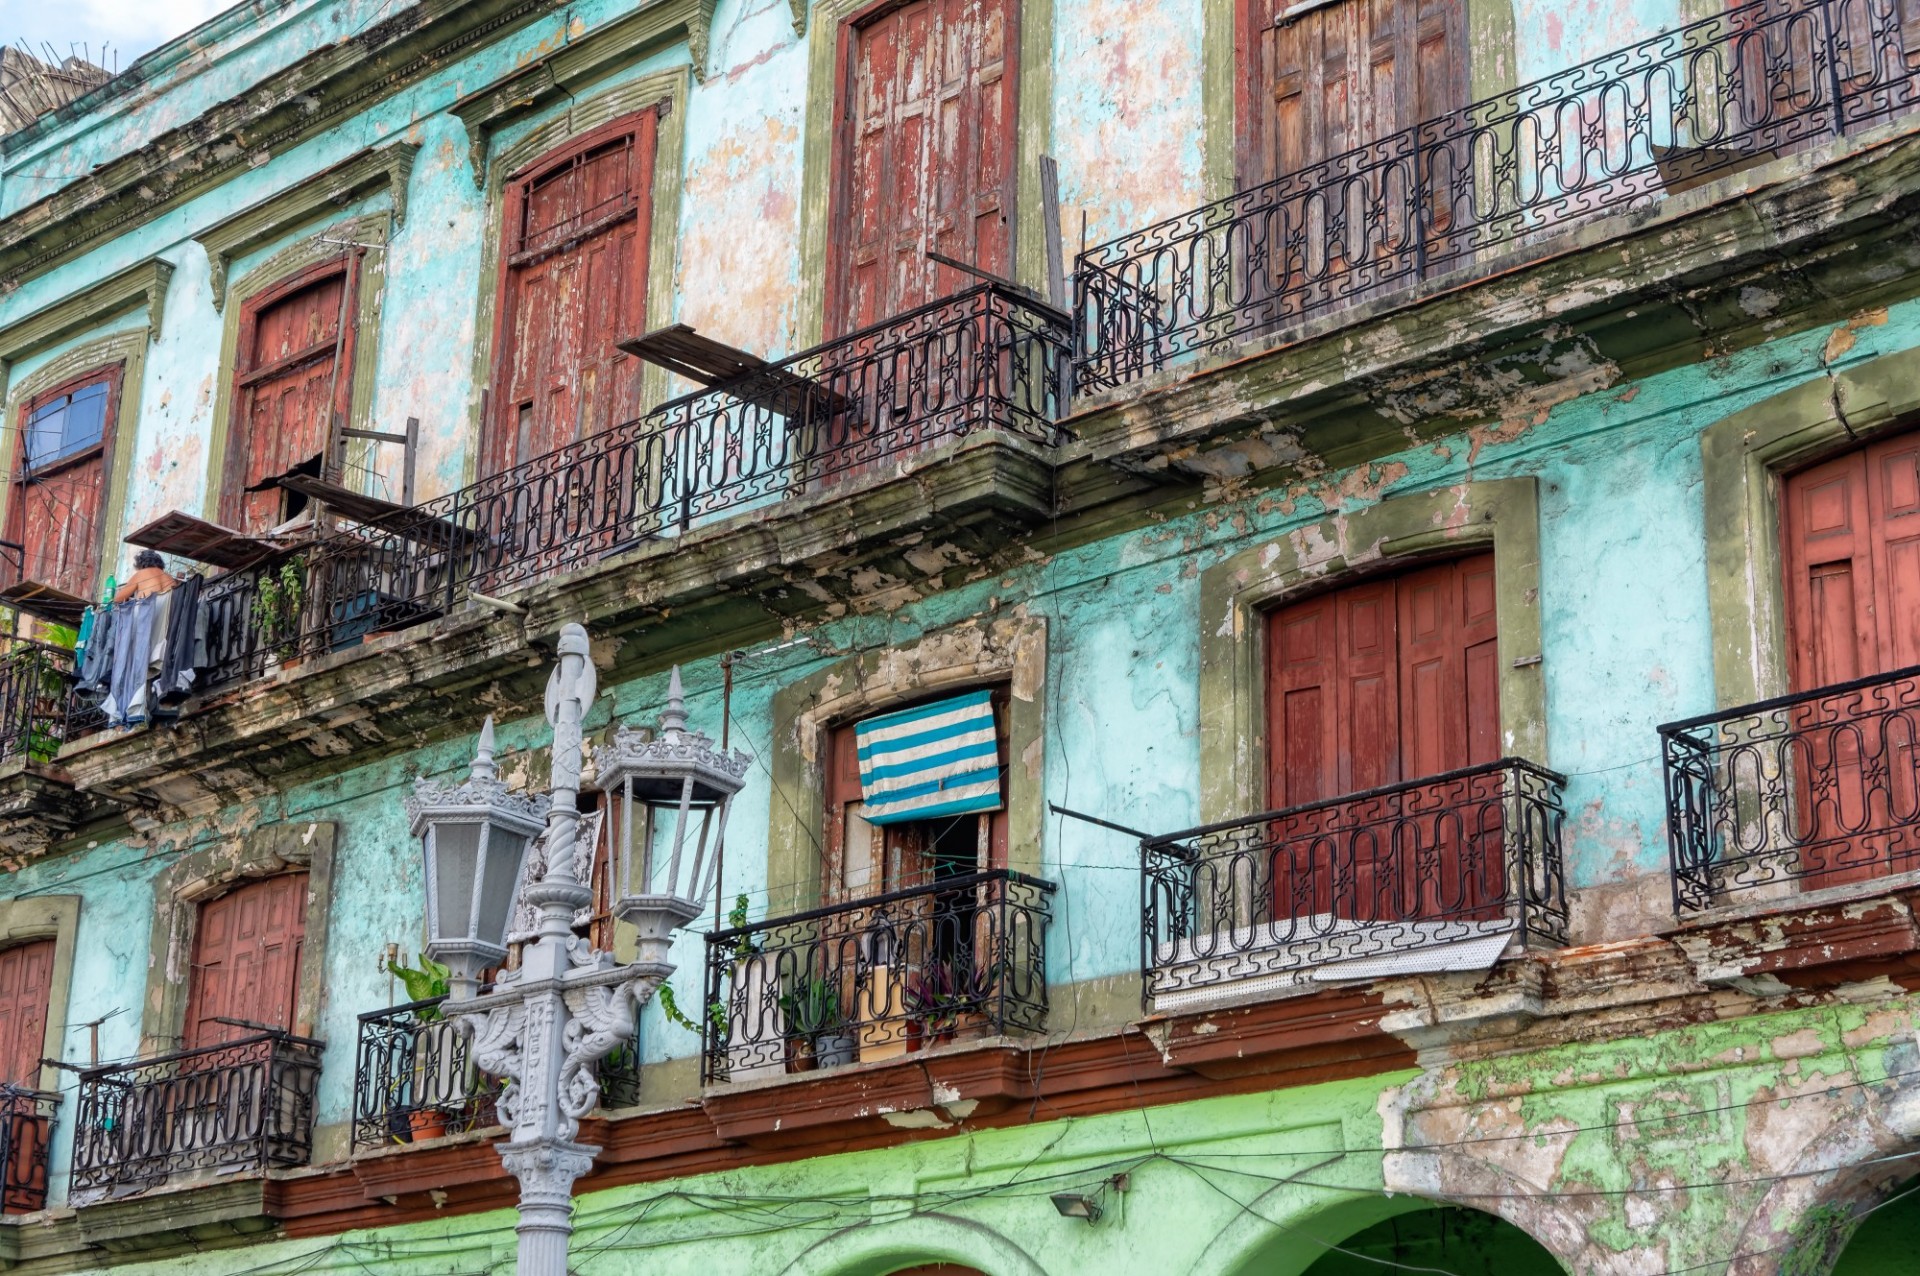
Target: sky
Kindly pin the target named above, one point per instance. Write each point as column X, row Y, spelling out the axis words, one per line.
column 128, row 28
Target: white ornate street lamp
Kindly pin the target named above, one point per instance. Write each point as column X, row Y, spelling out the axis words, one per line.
column 544, row 1027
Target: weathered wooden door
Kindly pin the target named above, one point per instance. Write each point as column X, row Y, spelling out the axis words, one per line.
column 1326, row 82
column 574, row 283
column 925, row 157
column 1368, row 686
column 1851, row 528
column 26, row 983
column 246, row 959
column 26, row 986
column 60, row 476
column 293, row 381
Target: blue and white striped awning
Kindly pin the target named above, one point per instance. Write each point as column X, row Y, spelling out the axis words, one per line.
column 929, row 761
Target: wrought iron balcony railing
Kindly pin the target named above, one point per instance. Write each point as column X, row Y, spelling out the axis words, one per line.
column 245, row 1104
column 987, row 358
column 877, row 978
column 1816, row 789
column 35, row 680
column 1464, row 189
column 414, row 1080
column 26, row 1132
column 1431, row 874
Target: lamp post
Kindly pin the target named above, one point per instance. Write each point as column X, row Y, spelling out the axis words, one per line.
column 544, row 1027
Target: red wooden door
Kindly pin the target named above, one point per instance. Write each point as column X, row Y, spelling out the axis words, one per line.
column 54, row 512
column 1851, row 528
column 577, row 228
column 246, row 959
column 925, row 157
column 1332, row 80
column 1369, row 686
column 293, row 381
column 26, row 983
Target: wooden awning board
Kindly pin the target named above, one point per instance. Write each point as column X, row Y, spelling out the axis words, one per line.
column 45, row 601
column 407, row 521
column 718, row 366
column 185, row 536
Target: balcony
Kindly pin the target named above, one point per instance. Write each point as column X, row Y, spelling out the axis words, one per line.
column 26, row 1131
column 878, row 978
column 241, row 1106
column 1462, row 195
column 1444, row 873
column 823, row 421
column 1799, row 792
column 414, row 1080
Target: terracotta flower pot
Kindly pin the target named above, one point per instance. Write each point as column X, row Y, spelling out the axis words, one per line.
column 427, row 1123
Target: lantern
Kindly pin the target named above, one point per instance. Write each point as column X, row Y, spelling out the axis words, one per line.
column 476, row 837
column 670, row 793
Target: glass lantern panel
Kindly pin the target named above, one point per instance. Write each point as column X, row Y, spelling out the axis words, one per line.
column 504, row 852
column 456, row 857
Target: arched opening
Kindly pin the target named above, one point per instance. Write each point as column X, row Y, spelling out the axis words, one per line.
column 936, row 1269
column 1438, row 1238
column 1887, row 1238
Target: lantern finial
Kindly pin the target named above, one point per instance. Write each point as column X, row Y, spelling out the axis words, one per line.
column 483, row 769
column 673, row 719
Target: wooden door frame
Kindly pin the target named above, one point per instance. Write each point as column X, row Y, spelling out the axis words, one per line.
column 346, row 264
column 192, row 880
column 840, row 170
column 1225, row 97
column 1400, row 531
column 1032, row 107
column 512, row 196
column 114, row 372
column 55, row 917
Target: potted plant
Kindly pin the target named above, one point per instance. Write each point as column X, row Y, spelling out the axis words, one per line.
column 950, row 998
column 439, row 1072
column 812, row 1012
column 278, row 598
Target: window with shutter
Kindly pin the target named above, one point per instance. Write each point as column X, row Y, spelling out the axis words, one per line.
column 577, row 226
column 246, row 960
column 55, row 510
column 925, row 155
column 1851, row 532
column 293, row 381
column 1379, row 684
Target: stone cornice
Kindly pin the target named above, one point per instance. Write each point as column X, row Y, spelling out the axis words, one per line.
column 332, row 189
column 136, row 287
column 278, row 112
column 579, row 63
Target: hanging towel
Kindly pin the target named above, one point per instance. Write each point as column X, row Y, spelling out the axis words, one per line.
column 933, row 760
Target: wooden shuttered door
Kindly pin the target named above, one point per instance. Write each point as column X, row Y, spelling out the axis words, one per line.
column 293, row 381
column 1369, row 686
column 246, row 960
column 574, row 283
column 1851, row 532
column 55, row 509
column 1341, row 76
column 925, row 157
column 26, row 983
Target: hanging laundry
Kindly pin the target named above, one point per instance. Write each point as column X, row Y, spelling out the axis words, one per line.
column 96, row 663
column 186, row 648
column 133, row 638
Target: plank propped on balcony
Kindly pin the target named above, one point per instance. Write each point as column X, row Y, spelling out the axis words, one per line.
column 746, row 377
column 184, row 536
column 408, row 521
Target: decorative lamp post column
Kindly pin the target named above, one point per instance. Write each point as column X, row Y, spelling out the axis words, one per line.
column 544, row 1027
